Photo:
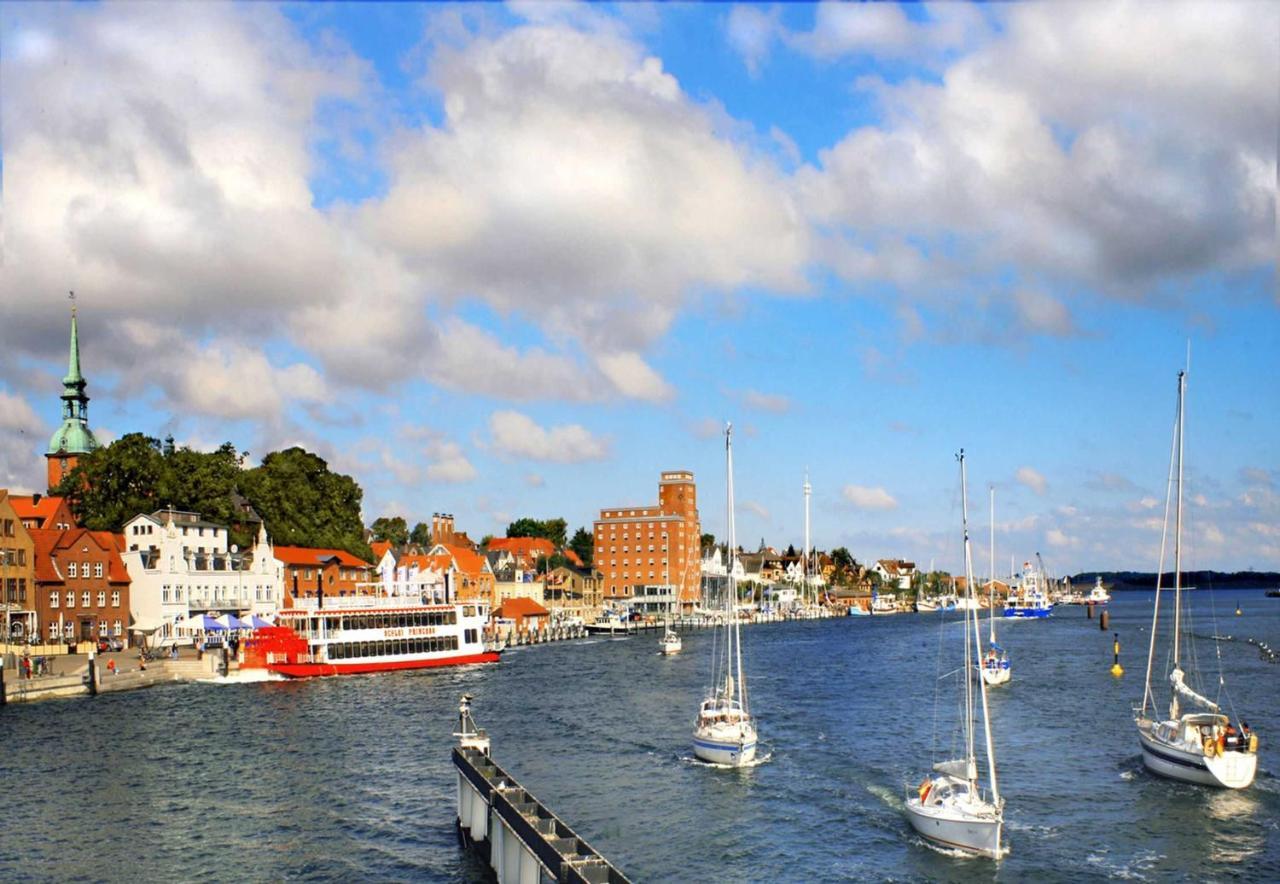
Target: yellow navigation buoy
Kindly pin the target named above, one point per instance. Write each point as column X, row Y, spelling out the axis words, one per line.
column 1238, row 611
column 1116, row 669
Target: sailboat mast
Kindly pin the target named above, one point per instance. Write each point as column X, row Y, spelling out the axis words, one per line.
column 1177, row 527
column 991, row 600
column 969, row 616
column 735, row 637
column 1164, row 537
column 804, row 571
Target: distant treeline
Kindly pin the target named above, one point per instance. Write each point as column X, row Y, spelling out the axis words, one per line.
column 1199, row 579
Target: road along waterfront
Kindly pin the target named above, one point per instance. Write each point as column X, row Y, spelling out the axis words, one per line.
column 351, row 777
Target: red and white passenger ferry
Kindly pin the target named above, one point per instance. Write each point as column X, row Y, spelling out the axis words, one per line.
column 350, row 635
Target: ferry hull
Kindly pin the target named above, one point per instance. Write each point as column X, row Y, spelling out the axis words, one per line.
column 316, row 670
column 956, row 831
column 1230, row 770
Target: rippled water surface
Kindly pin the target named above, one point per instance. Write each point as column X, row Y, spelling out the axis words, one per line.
column 351, row 779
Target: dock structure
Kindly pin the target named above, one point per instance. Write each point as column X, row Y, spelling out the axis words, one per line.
column 523, row 840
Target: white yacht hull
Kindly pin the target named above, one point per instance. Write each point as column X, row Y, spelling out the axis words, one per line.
column 950, row 827
column 1230, row 770
column 670, row 644
column 995, row 677
column 725, row 745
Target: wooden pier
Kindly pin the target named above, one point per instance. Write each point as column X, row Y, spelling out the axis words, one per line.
column 524, row 842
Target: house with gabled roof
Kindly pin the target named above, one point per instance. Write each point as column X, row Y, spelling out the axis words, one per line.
column 47, row 511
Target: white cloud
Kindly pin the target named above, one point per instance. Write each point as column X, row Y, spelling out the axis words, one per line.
column 534, row 480
column 517, row 435
column 23, row 439
column 448, row 463
column 1032, row 479
column 1060, row 539
column 706, row 428
column 865, row 498
column 755, row 508
column 751, row 31
column 770, row 402
column 633, row 378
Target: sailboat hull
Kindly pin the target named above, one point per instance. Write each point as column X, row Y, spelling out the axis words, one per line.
column 947, row 826
column 1230, row 770
column 998, row 676
column 732, row 753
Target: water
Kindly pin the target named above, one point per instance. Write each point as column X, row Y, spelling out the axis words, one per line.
column 351, row 778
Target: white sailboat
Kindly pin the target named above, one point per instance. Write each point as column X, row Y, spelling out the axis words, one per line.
column 950, row 808
column 995, row 662
column 725, row 732
column 1196, row 747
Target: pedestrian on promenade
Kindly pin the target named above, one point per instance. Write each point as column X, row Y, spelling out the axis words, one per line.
column 26, row 666
column 111, row 666
column 142, row 661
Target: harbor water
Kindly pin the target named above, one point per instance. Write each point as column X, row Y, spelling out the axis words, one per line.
column 350, row 778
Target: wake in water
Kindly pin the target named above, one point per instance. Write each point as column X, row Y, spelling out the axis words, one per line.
column 756, row 762
column 247, row 676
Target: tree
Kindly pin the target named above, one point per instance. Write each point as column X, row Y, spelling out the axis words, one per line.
column 305, row 504
column 111, row 485
column 708, row 542
column 584, row 545
column 555, row 530
column 393, row 530
column 791, row 551
column 421, row 535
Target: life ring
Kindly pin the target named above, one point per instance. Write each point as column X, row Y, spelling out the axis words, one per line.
column 1210, row 747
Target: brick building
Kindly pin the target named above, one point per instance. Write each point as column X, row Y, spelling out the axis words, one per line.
column 338, row 571
column 17, row 572
column 82, row 587
column 635, row 546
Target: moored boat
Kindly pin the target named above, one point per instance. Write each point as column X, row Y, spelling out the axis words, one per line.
column 1029, row 599
column 1098, row 595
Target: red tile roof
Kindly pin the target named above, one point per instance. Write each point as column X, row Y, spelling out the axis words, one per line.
column 529, row 547
column 27, row 507
column 45, row 540
column 305, row 555
column 573, row 558
column 380, row 548
column 468, row 562
column 424, row 563
column 516, row 608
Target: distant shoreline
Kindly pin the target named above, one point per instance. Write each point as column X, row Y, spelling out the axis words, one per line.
column 1135, row 580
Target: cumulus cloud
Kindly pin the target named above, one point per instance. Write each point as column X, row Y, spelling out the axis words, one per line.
column 774, row 403
column 1032, row 479
column 751, row 31
column 1153, row 162
column 755, row 508
column 23, row 437
column 865, row 498
column 518, row 435
column 448, row 463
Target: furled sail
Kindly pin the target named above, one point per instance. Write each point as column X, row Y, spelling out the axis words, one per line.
column 1175, row 678
column 967, row 770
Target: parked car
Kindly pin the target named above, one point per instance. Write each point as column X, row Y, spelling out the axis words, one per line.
column 110, row 644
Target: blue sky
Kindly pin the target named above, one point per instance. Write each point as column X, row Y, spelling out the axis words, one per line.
column 507, row 260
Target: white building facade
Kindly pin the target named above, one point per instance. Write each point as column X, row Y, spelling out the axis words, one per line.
column 179, row 565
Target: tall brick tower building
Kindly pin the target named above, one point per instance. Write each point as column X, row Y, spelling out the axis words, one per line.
column 73, row 438
column 637, row 546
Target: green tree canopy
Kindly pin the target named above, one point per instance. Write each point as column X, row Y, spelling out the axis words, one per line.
column 393, row 530
column 304, row 504
column 708, row 542
column 421, row 535
column 555, row 530
column 584, row 545
column 112, row 484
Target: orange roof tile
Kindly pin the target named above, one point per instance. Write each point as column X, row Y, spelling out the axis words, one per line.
column 520, row 607
column 27, row 507
column 305, row 555
column 45, row 540
column 523, row 546
column 380, row 548
column 468, row 562
column 424, row 563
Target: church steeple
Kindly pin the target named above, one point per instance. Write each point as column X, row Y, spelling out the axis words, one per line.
column 74, row 437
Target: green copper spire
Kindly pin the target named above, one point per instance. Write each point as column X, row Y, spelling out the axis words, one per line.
column 74, row 436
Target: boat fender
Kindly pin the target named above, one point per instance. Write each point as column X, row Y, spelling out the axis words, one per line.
column 1253, row 743
column 1210, row 747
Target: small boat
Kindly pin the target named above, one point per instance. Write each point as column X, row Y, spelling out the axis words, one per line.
column 1273, row 593
column 883, row 604
column 1203, row 747
column 1029, row 599
column 725, row 731
column 1098, row 595
column 995, row 661
column 610, row 623
column 856, row 610
column 950, row 808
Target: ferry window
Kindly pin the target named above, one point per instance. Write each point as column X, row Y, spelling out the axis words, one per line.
column 453, row 643
column 364, row 649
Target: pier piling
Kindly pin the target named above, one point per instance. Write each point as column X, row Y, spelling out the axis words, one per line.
column 524, row 842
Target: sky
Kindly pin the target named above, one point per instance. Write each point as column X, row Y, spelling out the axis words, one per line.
column 516, row 260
